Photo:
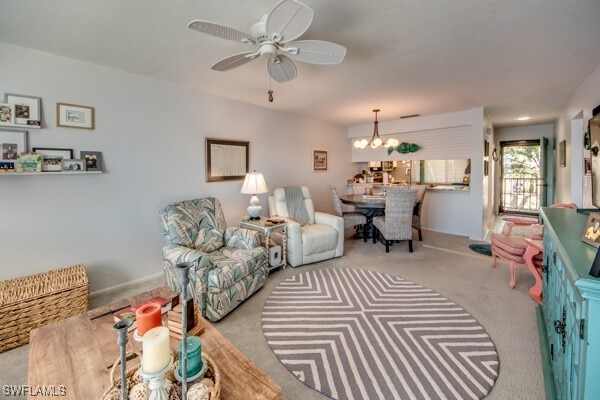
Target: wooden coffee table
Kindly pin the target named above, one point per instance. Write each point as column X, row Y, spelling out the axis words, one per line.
column 78, row 352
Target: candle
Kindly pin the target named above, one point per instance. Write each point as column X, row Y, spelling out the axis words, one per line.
column 155, row 350
column 194, row 355
column 148, row 316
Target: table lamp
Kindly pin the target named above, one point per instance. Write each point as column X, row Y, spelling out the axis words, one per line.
column 254, row 184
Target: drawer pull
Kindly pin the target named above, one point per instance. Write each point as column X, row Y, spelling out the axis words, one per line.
column 560, row 327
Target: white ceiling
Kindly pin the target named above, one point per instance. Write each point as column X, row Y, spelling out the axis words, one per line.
column 513, row 57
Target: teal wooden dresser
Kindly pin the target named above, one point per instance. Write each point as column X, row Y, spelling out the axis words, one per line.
column 569, row 317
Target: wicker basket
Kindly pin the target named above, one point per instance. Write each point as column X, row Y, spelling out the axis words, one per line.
column 31, row 301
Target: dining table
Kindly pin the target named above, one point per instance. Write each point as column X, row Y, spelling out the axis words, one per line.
column 368, row 205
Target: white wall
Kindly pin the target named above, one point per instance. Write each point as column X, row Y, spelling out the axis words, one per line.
column 151, row 135
column 585, row 98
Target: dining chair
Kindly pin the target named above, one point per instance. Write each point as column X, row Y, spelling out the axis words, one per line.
column 396, row 224
column 352, row 219
column 416, row 218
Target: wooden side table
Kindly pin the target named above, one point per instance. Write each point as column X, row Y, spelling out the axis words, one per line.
column 265, row 227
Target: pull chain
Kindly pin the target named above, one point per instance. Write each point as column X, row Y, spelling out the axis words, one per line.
column 270, row 90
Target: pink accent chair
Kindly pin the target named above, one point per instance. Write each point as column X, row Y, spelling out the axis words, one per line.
column 523, row 251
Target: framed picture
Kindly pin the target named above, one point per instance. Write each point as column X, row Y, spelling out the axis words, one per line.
column 28, row 109
column 591, row 233
column 9, row 151
column 11, row 138
column 587, row 166
column 74, row 165
column 486, row 168
column 562, row 153
column 486, row 148
column 52, row 163
column 92, row 160
column 7, row 114
column 319, row 160
column 74, row 116
column 64, row 153
column 226, row 160
column 7, row 166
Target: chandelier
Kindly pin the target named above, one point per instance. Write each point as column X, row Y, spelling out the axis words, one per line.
column 375, row 141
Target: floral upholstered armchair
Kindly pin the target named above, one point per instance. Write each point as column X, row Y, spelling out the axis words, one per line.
column 229, row 263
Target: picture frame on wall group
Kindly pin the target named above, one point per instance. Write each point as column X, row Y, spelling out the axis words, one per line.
column 28, row 109
column 92, row 159
column 591, row 232
column 319, row 160
column 52, row 159
column 74, row 116
column 226, row 160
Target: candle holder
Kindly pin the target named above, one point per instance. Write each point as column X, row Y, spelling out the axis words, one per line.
column 156, row 382
column 122, row 328
column 183, row 272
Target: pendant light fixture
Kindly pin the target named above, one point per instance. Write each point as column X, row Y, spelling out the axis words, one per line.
column 375, row 141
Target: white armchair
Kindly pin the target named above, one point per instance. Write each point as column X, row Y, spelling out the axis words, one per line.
column 320, row 239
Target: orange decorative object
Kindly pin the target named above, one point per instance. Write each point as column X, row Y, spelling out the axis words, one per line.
column 147, row 317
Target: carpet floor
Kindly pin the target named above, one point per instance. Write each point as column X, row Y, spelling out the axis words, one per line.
column 359, row 334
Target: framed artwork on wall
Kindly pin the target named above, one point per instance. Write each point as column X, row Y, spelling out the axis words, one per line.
column 226, row 160
column 74, row 116
column 591, row 233
column 562, row 153
column 319, row 160
column 28, row 109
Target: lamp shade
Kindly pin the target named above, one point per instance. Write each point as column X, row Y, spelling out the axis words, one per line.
column 254, row 183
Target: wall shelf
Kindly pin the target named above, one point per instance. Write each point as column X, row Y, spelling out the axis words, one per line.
column 51, row 173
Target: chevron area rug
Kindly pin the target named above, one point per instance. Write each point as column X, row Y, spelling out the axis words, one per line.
column 357, row 334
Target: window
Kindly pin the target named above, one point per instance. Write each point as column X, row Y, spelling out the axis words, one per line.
column 442, row 171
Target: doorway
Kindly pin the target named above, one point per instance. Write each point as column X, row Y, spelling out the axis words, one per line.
column 522, row 176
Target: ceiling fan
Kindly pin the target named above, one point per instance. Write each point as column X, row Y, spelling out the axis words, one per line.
column 274, row 36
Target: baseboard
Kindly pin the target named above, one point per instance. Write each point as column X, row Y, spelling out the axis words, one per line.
column 124, row 285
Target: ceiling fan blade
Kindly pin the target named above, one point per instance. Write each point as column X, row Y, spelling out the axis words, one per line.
column 221, row 31
column 315, row 51
column 290, row 19
column 281, row 71
column 233, row 61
